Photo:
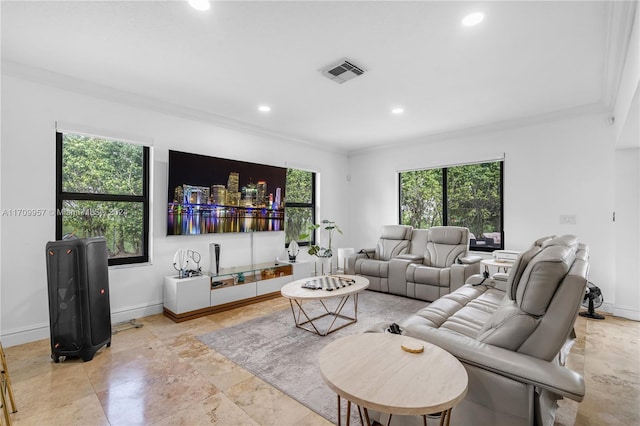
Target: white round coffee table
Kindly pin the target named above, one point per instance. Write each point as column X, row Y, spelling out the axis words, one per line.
column 506, row 265
column 298, row 295
column 374, row 372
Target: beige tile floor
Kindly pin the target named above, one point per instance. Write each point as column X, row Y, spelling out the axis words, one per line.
column 161, row 374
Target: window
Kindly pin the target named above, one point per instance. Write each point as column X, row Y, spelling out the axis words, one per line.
column 468, row 195
column 300, row 205
column 103, row 190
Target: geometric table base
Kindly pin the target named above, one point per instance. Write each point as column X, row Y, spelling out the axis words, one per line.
column 300, row 314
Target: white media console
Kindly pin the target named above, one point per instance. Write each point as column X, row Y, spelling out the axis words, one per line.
column 193, row 297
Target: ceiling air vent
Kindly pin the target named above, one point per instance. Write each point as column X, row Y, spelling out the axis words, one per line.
column 342, row 70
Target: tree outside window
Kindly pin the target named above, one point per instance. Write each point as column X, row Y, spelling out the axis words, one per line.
column 468, row 195
column 300, row 205
column 103, row 191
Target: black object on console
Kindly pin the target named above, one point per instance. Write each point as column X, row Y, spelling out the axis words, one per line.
column 79, row 308
column 217, row 250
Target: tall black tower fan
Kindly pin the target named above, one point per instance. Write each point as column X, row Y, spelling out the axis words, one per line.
column 79, row 309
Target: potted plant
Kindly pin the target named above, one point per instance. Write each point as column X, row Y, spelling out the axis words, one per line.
column 324, row 253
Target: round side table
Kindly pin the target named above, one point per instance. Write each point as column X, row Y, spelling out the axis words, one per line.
column 372, row 371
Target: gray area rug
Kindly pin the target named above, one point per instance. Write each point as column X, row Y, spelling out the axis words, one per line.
column 286, row 357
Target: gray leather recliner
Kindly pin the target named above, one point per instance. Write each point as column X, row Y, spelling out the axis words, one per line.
column 512, row 337
column 373, row 263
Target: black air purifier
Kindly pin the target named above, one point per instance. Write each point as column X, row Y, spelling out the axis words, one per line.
column 79, row 309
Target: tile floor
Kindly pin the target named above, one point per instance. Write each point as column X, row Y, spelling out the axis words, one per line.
column 161, row 374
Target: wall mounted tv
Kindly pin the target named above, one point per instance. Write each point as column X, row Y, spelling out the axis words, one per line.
column 215, row 195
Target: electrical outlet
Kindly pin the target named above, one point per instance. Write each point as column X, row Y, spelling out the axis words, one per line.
column 567, row 219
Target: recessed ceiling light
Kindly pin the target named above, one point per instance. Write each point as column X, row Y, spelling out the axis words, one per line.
column 472, row 19
column 264, row 108
column 397, row 110
column 199, row 4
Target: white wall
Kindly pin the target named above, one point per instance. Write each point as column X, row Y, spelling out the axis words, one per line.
column 627, row 232
column 29, row 113
column 627, row 207
column 551, row 169
column 627, row 182
column 627, row 94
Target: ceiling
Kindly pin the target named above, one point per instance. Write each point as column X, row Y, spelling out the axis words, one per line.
column 526, row 59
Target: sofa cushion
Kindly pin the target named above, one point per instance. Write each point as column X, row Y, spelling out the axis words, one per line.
column 427, row 274
column 508, row 327
column 534, row 281
column 518, row 269
column 419, row 241
column 445, row 244
column 564, row 240
column 393, row 242
column 396, row 232
column 372, row 268
column 451, row 235
column 541, row 278
column 463, row 311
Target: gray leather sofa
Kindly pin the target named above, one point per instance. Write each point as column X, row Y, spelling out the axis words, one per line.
column 511, row 336
column 444, row 264
column 419, row 263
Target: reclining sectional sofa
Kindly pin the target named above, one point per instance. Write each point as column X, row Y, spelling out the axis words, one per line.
column 423, row 264
column 512, row 336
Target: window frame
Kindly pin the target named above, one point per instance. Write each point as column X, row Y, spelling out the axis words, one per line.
column 311, row 206
column 445, row 198
column 62, row 196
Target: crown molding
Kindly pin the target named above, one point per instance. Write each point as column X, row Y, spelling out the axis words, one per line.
column 488, row 128
column 102, row 92
column 87, row 88
column 620, row 21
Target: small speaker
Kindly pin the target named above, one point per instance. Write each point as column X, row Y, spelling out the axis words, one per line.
column 214, row 255
column 217, row 246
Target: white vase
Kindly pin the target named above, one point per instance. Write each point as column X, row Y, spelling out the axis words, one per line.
column 293, row 250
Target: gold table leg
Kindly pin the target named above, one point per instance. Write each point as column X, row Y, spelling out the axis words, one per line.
column 445, row 416
column 336, row 313
column 5, row 383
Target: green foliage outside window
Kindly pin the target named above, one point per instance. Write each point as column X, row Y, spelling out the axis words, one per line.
column 300, row 205
column 421, row 198
column 102, row 193
column 474, row 201
column 120, row 223
column 101, row 166
column 469, row 196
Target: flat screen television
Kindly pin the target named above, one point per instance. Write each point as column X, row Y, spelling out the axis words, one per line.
column 215, row 195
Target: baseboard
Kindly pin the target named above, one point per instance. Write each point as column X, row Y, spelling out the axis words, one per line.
column 132, row 312
column 25, row 335
column 606, row 307
column 628, row 313
column 41, row 331
column 619, row 311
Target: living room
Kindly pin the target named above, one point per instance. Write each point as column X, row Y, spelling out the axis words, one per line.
column 580, row 159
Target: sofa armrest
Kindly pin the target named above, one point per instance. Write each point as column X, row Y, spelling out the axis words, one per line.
column 413, row 258
column 398, row 272
column 470, row 259
column 367, row 253
column 500, row 276
column 362, row 254
column 460, row 273
column 513, row 365
column 497, row 280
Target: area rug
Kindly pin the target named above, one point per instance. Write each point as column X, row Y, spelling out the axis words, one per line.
column 286, row 357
